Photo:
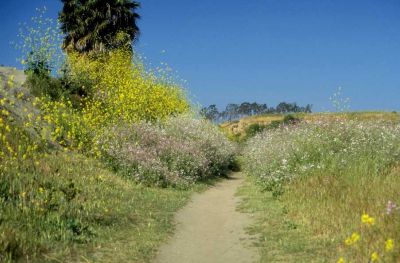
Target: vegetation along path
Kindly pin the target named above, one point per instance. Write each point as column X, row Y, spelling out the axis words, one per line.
column 209, row 229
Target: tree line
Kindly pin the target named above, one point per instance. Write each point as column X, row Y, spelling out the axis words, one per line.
column 235, row 111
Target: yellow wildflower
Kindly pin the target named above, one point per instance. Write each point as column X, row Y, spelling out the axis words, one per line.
column 341, row 260
column 10, row 149
column 352, row 239
column 366, row 219
column 374, row 256
column 389, row 244
column 5, row 112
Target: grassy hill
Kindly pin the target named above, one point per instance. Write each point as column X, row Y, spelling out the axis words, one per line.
column 237, row 129
column 19, row 75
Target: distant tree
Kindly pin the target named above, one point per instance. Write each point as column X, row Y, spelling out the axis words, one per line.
column 232, row 111
column 211, row 112
column 223, row 115
column 245, row 109
column 99, row 25
column 256, row 108
column 263, row 108
column 282, row 107
column 308, row 108
column 285, row 107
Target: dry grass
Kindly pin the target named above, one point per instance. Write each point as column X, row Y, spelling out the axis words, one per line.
column 237, row 128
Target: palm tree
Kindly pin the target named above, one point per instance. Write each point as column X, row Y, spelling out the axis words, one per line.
column 99, row 25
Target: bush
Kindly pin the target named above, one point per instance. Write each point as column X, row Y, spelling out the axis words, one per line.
column 256, row 128
column 253, row 129
column 177, row 152
column 124, row 91
column 44, row 85
column 290, row 119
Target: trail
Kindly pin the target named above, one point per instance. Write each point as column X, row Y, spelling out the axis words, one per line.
column 210, row 230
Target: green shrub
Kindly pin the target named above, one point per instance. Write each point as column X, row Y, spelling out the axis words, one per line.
column 290, row 119
column 256, row 128
column 253, row 129
column 41, row 85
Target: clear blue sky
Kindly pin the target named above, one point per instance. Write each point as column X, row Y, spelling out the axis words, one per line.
column 263, row 50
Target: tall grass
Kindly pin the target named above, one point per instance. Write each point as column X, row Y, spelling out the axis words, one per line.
column 329, row 173
column 66, row 207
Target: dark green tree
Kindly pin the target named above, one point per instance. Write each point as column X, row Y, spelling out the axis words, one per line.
column 99, row 25
column 245, row 109
column 232, row 111
column 211, row 112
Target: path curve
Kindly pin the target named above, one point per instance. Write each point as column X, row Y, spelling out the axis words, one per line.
column 210, row 230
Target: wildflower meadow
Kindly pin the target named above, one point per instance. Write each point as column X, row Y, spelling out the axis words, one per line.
column 337, row 181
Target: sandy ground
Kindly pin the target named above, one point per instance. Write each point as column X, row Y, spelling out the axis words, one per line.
column 210, row 230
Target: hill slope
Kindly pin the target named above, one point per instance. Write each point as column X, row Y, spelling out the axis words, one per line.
column 237, row 128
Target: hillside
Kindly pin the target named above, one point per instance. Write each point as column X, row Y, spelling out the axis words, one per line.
column 19, row 75
column 78, row 186
column 237, row 128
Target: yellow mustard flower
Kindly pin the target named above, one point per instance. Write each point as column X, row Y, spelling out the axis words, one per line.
column 10, row 149
column 5, row 112
column 341, row 260
column 374, row 256
column 389, row 244
column 368, row 220
column 352, row 239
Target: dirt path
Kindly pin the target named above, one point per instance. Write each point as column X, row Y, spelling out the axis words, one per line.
column 210, row 230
